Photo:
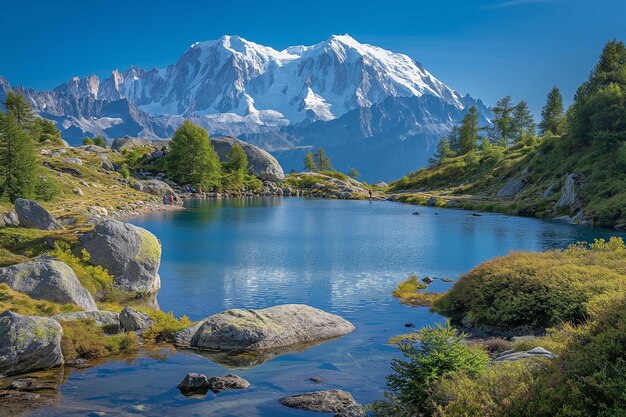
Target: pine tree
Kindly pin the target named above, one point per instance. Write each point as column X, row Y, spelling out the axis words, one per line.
column 18, row 161
column 444, row 151
column 17, row 105
column 322, row 161
column 87, row 141
column 552, row 118
column 191, row 159
column 309, row 163
column 237, row 160
column 469, row 131
column 99, row 141
column 523, row 122
column 453, row 139
column 503, row 130
column 354, row 173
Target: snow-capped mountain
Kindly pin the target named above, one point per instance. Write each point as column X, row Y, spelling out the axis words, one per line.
column 274, row 98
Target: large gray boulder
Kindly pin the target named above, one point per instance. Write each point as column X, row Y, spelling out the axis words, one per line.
column 537, row 352
column 46, row 278
column 261, row 163
column 569, row 194
column 269, row 328
column 329, row 401
column 28, row 343
column 133, row 320
column 33, row 216
column 227, row 382
column 130, row 253
column 108, row 320
column 154, row 187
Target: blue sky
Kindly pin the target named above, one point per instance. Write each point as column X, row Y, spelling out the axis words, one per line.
column 487, row 48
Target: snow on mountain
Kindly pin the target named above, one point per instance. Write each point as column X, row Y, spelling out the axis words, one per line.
column 278, row 99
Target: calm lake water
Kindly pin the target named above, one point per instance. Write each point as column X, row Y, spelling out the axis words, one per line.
column 344, row 257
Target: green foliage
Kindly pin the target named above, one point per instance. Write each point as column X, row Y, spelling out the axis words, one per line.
column 523, row 123
column 83, row 339
column 411, row 292
column 354, row 173
column 237, row 160
column 335, row 174
column 165, row 326
column 124, row 172
column 469, row 131
column 18, row 161
column 44, row 130
column 552, row 117
column 16, row 105
column 539, row 289
column 87, row 141
column 192, row 160
column 322, row 161
column 22, row 304
column 443, row 153
column 309, row 163
column 99, row 141
column 439, row 351
column 503, row 131
column 47, row 189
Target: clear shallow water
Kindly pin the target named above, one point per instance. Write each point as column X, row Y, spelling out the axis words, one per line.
column 344, row 257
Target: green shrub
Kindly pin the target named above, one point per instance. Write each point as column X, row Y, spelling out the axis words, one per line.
column 411, row 292
column 21, row 303
column 83, row 339
column 165, row 326
column 437, row 352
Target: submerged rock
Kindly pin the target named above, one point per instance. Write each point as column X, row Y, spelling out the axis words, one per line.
column 329, row 401
column 270, row 328
column 33, row 216
column 28, row 343
column 227, row 382
column 133, row 320
column 130, row 253
column 46, row 278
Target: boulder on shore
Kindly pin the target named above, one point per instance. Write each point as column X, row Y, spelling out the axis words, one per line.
column 46, row 278
column 261, row 163
column 328, row 401
column 130, row 253
column 154, row 187
column 33, row 216
column 28, row 343
column 133, row 320
column 269, row 328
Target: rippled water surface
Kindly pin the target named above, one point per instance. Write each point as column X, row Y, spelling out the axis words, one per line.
column 341, row 256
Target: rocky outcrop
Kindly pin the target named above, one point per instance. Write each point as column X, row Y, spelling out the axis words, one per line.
column 270, row 328
column 432, row 201
column 513, row 186
column 9, row 219
column 329, row 401
column 46, row 278
column 355, row 410
column 108, row 320
column 127, row 143
column 133, row 320
column 131, row 254
column 261, row 163
column 569, row 194
column 227, row 382
column 28, row 343
column 33, row 216
column 537, row 352
column 154, row 187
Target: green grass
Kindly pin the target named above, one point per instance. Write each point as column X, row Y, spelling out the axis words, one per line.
column 412, row 292
column 22, row 304
column 83, row 339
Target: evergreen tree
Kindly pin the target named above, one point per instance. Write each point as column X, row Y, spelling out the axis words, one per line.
column 469, row 131
column 191, row 159
column 45, row 130
column 18, row 161
column 453, row 139
column 322, row 161
column 523, row 122
column 598, row 114
column 444, row 151
column 87, row 141
column 354, row 174
column 552, row 118
column 237, row 160
column 99, row 141
column 17, row 105
column 309, row 163
column 503, row 130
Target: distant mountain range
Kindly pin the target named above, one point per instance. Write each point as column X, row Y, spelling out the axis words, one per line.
column 373, row 109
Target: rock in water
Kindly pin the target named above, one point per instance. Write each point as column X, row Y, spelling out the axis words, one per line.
column 133, row 320
column 46, row 278
column 33, row 216
column 108, row 320
column 194, row 384
column 28, row 343
column 261, row 163
column 329, row 401
column 131, row 254
column 227, row 382
column 269, row 328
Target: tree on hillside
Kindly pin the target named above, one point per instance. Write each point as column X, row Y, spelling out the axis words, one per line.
column 552, row 117
column 192, row 159
column 309, row 163
column 44, row 130
column 87, row 141
column 444, row 151
column 453, row 139
column 469, row 131
column 18, row 161
column 598, row 114
column 503, row 130
column 523, row 122
column 354, row 173
column 322, row 161
column 237, row 160
column 16, row 104
column 99, row 141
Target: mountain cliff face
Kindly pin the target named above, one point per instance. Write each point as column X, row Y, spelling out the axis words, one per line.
column 340, row 94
